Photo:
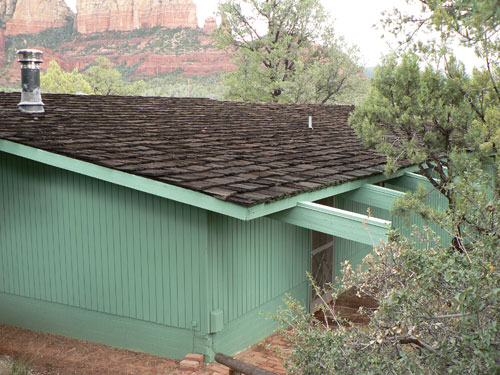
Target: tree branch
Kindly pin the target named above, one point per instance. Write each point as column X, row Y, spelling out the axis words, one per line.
column 413, row 340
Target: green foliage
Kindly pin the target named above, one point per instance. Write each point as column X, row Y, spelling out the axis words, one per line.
column 286, row 52
column 159, row 40
column 7, row 89
column 100, row 79
column 129, row 70
column 10, row 366
column 105, row 79
column 176, row 85
column 472, row 23
column 438, row 314
column 55, row 80
column 51, row 38
column 415, row 115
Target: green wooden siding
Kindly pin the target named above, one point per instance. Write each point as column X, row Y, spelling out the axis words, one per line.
column 243, row 332
column 85, row 243
column 108, row 329
column 254, row 262
column 355, row 251
column 406, row 224
column 93, row 260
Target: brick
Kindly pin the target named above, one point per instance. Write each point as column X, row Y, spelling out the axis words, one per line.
column 220, row 370
column 190, row 365
column 194, row 357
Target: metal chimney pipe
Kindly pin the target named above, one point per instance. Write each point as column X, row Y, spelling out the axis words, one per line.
column 31, row 98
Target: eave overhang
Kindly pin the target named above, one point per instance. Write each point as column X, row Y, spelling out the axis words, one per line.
column 336, row 222
column 184, row 195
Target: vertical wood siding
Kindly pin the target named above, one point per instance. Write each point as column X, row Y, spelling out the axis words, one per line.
column 355, row 252
column 406, row 224
column 253, row 262
column 81, row 242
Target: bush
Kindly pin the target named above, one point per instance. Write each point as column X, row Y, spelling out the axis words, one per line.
column 439, row 314
column 438, row 307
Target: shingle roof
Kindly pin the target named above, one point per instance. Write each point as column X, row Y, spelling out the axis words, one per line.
column 240, row 152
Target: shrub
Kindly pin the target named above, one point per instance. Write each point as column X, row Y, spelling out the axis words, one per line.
column 439, row 314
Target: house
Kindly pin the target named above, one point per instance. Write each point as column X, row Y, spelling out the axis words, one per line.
column 166, row 225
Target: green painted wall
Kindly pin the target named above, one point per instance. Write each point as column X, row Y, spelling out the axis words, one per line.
column 83, row 243
column 252, row 265
column 406, row 224
column 355, row 251
column 92, row 260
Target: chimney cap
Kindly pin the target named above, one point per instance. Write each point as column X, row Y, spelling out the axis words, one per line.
column 30, row 55
column 31, row 98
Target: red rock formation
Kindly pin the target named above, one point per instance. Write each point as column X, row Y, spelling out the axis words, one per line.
column 192, row 64
column 33, row 16
column 210, row 25
column 102, row 15
column 3, row 58
column 7, row 8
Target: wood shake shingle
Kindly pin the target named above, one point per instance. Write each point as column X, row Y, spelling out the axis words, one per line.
column 244, row 153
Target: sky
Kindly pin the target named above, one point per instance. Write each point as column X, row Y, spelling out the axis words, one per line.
column 353, row 19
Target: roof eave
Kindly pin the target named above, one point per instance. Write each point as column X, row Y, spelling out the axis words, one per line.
column 180, row 194
column 131, row 181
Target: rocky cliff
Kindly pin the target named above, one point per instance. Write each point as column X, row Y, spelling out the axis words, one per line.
column 33, row 16
column 7, row 8
column 2, row 48
column 139, row 53
column 103, row 15
column 125, row 32
column 210, row 25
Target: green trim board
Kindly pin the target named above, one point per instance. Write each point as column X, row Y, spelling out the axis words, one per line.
column 183, row 195
column 336, row 222
column 138, row 335
column 410, row 181
column 132, row 181
column 374, row 196
column 108, row 329
column 266, row 209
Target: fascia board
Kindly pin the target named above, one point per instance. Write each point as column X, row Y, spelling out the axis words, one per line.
column 184, row 195
column 132, row 181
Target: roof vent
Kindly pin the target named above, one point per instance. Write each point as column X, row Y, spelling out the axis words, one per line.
column 31, row 98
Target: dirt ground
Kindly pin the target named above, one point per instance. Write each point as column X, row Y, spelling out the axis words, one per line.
column 48, row 354
column 56, row 355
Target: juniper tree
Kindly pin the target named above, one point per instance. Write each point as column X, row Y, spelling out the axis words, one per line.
column 286, row 51
column 436, row 115
column 438, row 308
